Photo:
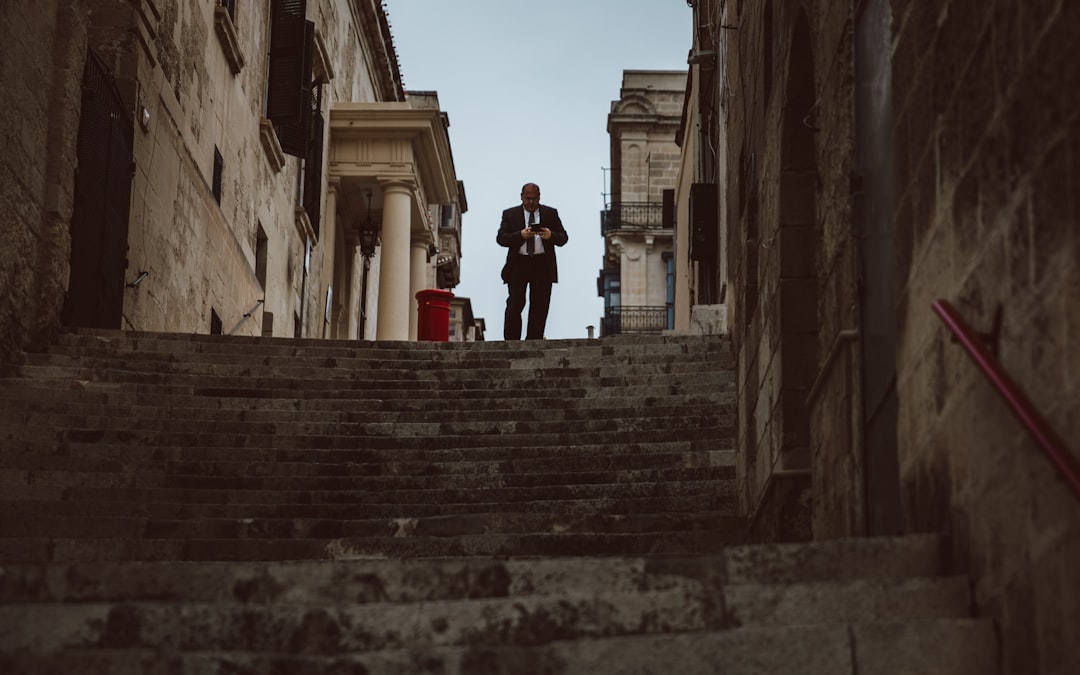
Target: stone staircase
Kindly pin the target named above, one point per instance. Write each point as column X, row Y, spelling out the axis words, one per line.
column 205, row 504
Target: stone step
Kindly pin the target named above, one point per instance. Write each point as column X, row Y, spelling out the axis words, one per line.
column 529, row 422
column 347, row 627
column 376, row 437
column 49, row 395
column 38, row 468
column 620, row 346
column 197, row 479
column 370, row 366
column 892, row 559
column 44, row 500
column 83, row 525
column 142, row 403
column 250, row 389
column 448, row 496
column 499, row 545
column 941, row 647
column 375, row 451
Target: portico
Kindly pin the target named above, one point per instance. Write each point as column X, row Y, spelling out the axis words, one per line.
column 389, row 162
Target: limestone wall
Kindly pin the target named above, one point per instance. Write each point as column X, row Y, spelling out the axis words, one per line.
column 194, row 85
column 983, row 153
column 987, row 179
column 44, row 44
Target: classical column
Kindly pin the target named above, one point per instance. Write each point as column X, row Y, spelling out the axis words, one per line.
column 394, row 301
column 328, row 242
column 417, row 280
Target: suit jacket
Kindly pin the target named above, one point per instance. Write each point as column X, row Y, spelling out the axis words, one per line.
column 510, row 236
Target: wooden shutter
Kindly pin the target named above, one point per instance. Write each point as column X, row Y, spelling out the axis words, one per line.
column 288, row 97
column 314, row 163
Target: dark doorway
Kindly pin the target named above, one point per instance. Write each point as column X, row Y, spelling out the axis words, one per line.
column 99, row 221
column 873, row 201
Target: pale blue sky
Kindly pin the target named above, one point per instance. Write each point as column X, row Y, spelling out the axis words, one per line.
column 527, row 86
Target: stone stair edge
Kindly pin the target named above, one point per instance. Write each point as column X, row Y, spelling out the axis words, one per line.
column 827, row 650
column 613, row 340
column 890, row 558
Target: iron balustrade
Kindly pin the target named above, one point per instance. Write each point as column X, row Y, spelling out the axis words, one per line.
column 635, row 319
column 1035, row 424
column 632, row 216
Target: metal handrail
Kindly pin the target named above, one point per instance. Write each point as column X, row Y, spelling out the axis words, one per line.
column 247, row 315
column 1034, row 422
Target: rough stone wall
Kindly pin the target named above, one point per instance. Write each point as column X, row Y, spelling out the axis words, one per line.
column 988, row 173
column 834, row 408
column 986, row 177
column 43, row 45
column 178, row 80
column 767, row 188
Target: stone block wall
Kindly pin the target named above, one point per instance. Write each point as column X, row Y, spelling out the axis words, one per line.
column 44, row 48
column 201, row 253
column 985, row 147
column 988, row 173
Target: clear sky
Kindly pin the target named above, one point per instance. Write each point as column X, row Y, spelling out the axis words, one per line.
column 528, row 85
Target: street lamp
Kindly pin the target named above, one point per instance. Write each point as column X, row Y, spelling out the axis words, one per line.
column 369, row 237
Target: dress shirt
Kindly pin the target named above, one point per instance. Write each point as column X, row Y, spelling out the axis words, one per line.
column 538, row 243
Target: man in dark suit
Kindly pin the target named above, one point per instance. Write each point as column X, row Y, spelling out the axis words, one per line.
column 530, row 233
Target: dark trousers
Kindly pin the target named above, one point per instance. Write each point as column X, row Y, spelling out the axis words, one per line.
column 527, row 272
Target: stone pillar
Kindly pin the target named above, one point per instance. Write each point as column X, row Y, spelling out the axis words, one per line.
column 394, row 301
column 417, row 280
column 328, row 234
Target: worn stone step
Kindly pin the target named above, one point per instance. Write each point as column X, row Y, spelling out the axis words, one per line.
column 83, row 525
column 38, row 467
column 883, row 559
column 530, row 422
column 444, row 495
column 619, row 346
column 370, row 366
column 150, row 478
column 26, row 469
column 38, row 395
column 528, row 620
column 248, row 389
column 70, row 549
column 378, row 437
column 376, row 451
column 308, row 377
column 45, row 500
column 75, row 403
column 941, row 647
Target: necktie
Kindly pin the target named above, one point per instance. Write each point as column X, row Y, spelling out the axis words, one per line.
column 530, row 243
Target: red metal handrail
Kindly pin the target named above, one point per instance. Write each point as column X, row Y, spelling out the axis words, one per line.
column 1049, row 441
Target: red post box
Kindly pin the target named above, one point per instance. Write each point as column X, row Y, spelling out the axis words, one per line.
column 433, row 315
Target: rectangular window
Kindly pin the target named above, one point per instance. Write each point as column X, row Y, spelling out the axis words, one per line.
column 230, row 7
column 215, row 322
column 219, row 165
column 261, row 243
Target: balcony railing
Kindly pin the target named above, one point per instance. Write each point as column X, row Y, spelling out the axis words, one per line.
column 635, row 319
column 632, row 216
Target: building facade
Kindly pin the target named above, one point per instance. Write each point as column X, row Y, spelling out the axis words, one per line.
column 214, row 167
column 870, row 160
column 637, row 280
